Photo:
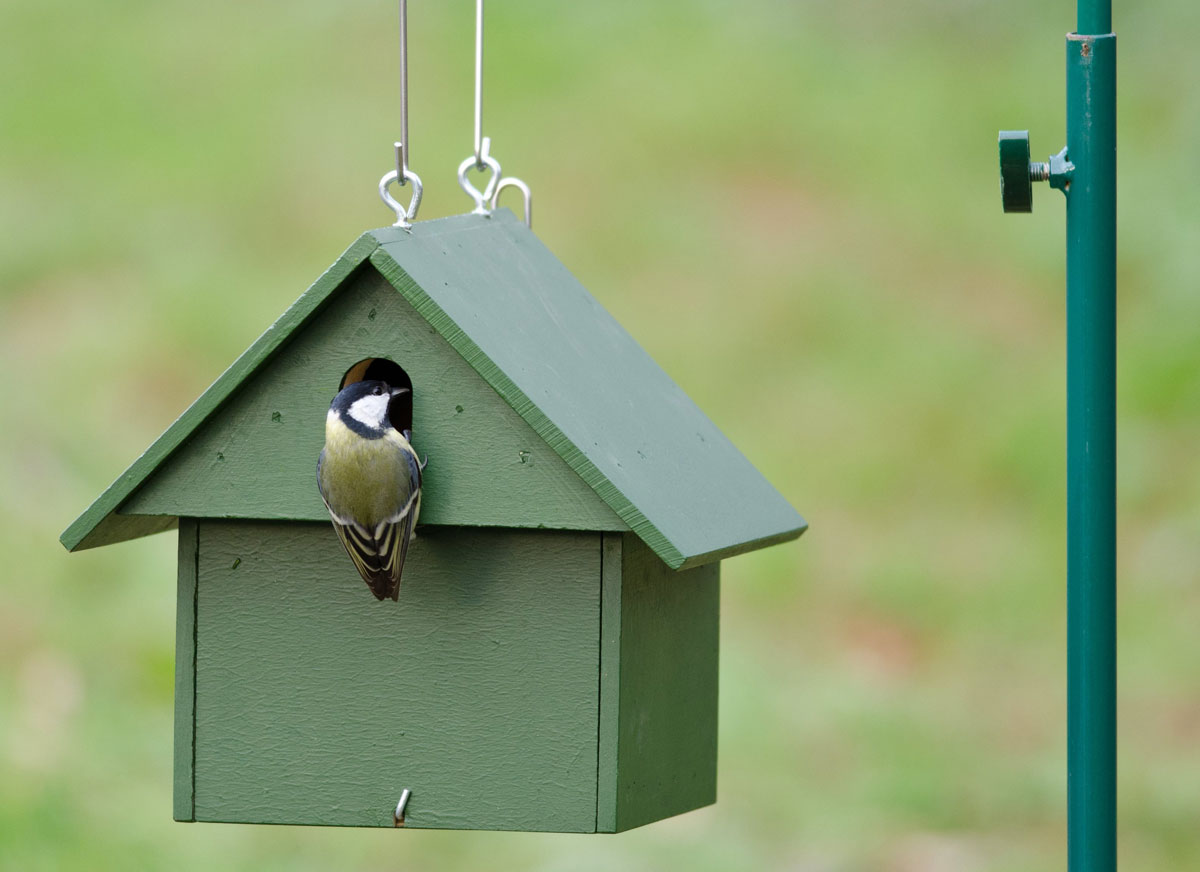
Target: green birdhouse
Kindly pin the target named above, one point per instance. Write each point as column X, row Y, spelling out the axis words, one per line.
column 552, row 661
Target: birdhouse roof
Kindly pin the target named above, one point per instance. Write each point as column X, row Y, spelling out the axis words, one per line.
column 533, row 333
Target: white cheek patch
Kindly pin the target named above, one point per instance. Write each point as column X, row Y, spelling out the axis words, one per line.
column 370, row 411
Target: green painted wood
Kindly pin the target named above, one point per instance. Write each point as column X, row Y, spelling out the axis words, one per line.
column 315, row 704
column 556, row 356
column 115, row 528
column 255, row 457
column 658, row 686
column 610, row 683
column 99, row 525
column 185, row 670
column 666, row 742
column 551, row 352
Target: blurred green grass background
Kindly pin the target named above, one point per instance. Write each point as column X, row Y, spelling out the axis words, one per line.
column 794, row 207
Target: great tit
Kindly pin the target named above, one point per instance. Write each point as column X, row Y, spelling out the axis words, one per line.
column 370, row 479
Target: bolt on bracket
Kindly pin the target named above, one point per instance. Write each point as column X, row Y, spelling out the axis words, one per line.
column 1018, row 172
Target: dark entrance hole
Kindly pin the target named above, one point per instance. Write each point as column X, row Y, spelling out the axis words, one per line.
column 400, row 410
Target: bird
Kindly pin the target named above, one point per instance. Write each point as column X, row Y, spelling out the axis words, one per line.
column 369, row 477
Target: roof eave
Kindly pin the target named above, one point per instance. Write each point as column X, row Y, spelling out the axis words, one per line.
column 740, row 548
column 98, row 525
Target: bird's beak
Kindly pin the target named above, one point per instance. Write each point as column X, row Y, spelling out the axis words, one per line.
column 398, row 391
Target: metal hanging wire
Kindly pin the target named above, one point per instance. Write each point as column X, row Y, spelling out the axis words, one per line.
column 402, row 175
column 481, row 160
column 479, row 149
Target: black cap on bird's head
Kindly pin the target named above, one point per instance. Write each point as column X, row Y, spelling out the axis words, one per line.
column 363, row 406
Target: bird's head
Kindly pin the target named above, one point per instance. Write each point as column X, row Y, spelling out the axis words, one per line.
column 365, row 404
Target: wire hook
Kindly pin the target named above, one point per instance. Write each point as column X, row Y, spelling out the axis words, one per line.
column 398, row 814
column 512, row 182
column 481, row 159
column 402, row 175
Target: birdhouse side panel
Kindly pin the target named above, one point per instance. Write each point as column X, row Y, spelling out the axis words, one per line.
column 315, row 704
column 658, row 688
column 185, row 670
column 255, row 456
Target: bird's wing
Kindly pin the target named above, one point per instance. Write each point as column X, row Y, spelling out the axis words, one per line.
column 397, row 531
column 361, row 547
column 379, row 554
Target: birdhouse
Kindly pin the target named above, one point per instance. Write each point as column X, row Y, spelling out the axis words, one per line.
column 552, row 661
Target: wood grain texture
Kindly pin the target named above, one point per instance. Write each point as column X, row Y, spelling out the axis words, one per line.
column 185, row 671
column 256, row 456
column 665, row 755
column 99, row 524
column 315, row 704
column 550, row 349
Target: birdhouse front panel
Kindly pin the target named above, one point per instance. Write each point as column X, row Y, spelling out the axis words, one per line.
column 528, row 680
column 255, row 456
column 478, row 692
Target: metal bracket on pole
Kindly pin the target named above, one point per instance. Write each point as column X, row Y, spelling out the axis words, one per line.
column 1018, row 172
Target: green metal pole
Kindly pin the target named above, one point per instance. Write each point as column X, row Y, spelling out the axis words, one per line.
column 1091, row 442
column 1094, row 17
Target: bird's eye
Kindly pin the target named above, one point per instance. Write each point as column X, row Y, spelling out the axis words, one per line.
column 377, row 391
